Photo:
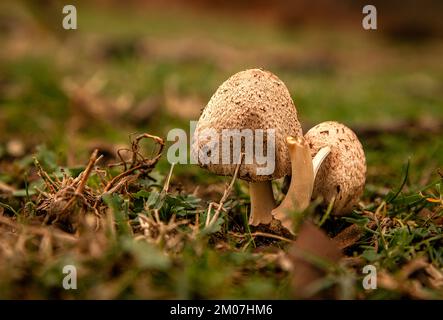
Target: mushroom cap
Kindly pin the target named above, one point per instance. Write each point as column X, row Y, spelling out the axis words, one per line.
column 343, row 173
column 251, row 99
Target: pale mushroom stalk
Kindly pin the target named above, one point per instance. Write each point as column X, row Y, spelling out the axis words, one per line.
column 304, row 169
column 262, row 202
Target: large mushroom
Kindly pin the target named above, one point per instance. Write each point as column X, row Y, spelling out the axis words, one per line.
column 257, row 100
column 337, row 172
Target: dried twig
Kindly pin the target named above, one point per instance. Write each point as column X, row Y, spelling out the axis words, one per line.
column 168, row 179
column 50, row 184
column 136, row 164
column 84, row 178
column 156, row 230
column 262, row 234
column 4, row 188
column 224, row 197
column 38, row 230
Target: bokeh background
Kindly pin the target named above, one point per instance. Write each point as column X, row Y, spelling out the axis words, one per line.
column 150, row 66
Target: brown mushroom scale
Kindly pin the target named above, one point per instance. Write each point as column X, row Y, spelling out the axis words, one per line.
column 251, row 99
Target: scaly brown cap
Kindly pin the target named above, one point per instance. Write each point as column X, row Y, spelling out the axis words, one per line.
column 343, row 173
column 251, row 99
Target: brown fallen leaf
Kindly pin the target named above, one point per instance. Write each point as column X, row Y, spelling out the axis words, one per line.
column 351, row 235
column 311, row 247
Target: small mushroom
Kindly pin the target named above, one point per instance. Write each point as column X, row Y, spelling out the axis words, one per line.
column 337, row 172
column 251, row 99
column 341, row 177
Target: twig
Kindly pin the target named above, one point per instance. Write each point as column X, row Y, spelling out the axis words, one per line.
column 84, row 178
column 264, row 234
column 226, row 193
column 85, row 175
column 143, row 164
column 208, row 216
column 46, row 178
column 6, row 188
column 168, row 179
column 38, row 230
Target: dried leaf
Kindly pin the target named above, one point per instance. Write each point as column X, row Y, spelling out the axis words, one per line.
column 311, row 253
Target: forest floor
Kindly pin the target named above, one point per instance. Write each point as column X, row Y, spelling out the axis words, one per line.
column 138, row 228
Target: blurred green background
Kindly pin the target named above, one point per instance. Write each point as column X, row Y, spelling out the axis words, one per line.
column 150, row 66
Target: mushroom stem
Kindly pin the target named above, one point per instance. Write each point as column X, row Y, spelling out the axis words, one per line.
column 262, row 202
column 304, row 169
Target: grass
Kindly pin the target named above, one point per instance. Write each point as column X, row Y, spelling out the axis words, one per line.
column 163, row 62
